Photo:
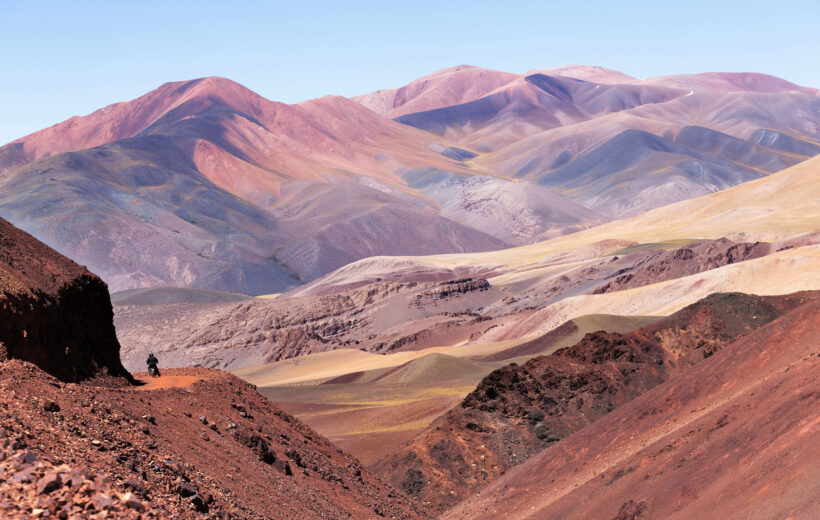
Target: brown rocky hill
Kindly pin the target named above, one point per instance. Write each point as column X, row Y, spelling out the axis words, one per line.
column 90, row 441
column 54, row 312
column 208, row 444
column 736, row 436
column 517, row 411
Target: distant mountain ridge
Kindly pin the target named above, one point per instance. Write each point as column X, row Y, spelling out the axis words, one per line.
column 206, row 184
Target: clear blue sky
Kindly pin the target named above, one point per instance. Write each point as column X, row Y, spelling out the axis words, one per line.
column 64, row 58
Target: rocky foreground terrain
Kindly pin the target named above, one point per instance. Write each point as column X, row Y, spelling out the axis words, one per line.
column 37, row 488
column 81, row 438
column 210, row 447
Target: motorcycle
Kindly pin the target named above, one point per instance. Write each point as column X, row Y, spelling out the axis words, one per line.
column 153, row 371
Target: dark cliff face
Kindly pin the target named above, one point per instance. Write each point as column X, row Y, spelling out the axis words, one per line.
column 53, row 312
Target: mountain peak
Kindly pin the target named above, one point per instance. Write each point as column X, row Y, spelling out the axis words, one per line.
column 450, row 86
column 593, row 73
column 128, row 118
column 206, row 85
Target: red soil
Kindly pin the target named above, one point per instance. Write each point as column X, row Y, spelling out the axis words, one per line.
column 736, row 436
column 201, row 441
column 164, row 381
column 517, row 411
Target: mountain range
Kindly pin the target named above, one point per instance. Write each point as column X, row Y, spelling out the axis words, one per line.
column 206, row 184
column 562, row 294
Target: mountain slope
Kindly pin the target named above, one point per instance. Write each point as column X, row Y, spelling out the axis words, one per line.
column 734, row 436
column 194, row 196
column 528, row 105
column 517, row 411
column 532, row 126
column 445, row 87
column 206, row 184
column 731, row 82
column 516, row 212
column 636, row 171
column 778, row 205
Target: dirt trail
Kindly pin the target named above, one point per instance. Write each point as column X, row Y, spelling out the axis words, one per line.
column 166, row 380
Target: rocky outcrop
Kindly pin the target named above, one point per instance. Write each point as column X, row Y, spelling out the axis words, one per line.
column 379, row 317
column 53, row 312
column 677, row 263
column 517, row 411
column 450, row 289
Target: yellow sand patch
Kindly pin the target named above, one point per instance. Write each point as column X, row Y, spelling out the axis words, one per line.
column 335, row 363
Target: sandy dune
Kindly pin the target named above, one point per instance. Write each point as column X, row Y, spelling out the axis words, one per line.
column 368, row 420
column 335, row 363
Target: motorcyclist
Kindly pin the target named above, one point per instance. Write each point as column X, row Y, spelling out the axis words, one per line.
column 152, row 363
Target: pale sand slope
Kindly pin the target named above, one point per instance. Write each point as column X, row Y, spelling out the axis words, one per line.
column 314, row 369
column 326, row 365
column 783, row 272
column 368, row 420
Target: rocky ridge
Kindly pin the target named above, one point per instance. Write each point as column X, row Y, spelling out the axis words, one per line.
column 735, row 436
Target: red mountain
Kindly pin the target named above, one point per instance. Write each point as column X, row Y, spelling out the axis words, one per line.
column 517, row 411
column 733, row 437
column 204, row 183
